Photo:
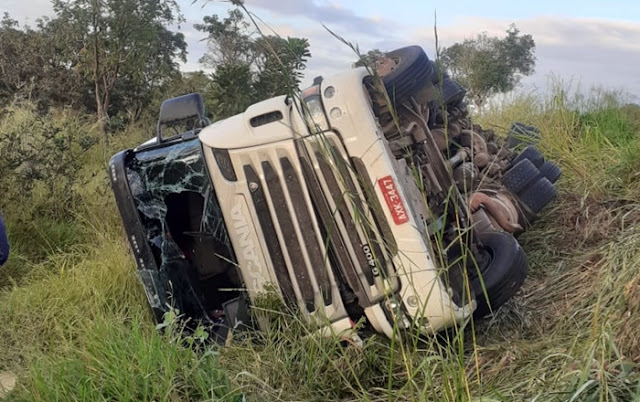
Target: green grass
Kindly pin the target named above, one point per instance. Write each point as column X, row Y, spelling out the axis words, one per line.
column 75, row 325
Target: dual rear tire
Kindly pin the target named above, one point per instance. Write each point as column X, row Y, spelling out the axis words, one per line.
column 531, row 179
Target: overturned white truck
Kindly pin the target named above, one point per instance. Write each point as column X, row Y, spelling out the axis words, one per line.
column 370, row 195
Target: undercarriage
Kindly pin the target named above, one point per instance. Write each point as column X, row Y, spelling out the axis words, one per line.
column 475, row 183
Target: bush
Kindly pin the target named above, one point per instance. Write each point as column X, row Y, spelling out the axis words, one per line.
column 41, row 157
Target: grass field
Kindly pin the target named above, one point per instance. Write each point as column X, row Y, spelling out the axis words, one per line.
column 75, row 326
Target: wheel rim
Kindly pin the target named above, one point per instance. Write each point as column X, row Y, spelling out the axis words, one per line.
column 386, row 65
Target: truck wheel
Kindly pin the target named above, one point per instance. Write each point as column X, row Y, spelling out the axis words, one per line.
column 520, row 175
column 503, row 267
column 538, row 194
column 521, row 133
column 551, row 171
column 452, row 92
column 411, row 72
column 532, row 154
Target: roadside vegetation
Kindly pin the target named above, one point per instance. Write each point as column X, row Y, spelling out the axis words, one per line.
column 75, row 323
column 76, row 326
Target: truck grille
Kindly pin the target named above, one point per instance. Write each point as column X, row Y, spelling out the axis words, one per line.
column 268, row 229
column 309, row 207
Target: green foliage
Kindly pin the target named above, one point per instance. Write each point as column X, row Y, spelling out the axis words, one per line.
column 84, row 316
column 369, row 59
column 110, row 56
column 181, row 84
column 248, row 67
column 280, row 63
column 132, row 364
column 33, row 69
column 229, row 40
column 127, row 49
column 231, row 90
column 41, row 157
column 489, row 65
column 118, row 58
column 592, row 132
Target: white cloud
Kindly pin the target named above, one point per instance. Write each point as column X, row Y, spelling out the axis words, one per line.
column 328, row 13
column 596, row 52
column 26, row 12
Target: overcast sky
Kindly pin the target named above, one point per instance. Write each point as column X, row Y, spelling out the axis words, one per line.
column 593, row 43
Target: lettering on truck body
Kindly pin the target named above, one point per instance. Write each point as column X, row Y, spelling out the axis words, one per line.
column 394, row 202
column 247, row 246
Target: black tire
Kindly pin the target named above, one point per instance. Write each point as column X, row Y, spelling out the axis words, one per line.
column 452, row 92
column 520, row 175
column 538, row 195
column 503, row 271
column 551, row 171
column 521, row 133
column 411, row 73
column 532, row 154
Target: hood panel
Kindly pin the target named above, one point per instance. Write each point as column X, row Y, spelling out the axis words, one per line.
column 263, row 123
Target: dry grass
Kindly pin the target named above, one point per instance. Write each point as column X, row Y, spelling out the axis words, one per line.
column 75, row 326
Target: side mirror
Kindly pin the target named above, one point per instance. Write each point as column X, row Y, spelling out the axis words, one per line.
column 190, row 106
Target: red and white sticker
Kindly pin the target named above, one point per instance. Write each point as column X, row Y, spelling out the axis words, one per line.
column 394, row 202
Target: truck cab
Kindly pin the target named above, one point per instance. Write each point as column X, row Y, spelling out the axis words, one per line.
column 357, row 198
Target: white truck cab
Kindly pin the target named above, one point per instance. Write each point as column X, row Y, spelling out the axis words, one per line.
column 358, row 198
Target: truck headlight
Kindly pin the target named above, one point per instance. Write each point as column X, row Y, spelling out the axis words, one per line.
column 313, row 110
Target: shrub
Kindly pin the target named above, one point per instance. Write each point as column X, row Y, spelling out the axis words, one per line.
column 41, row 158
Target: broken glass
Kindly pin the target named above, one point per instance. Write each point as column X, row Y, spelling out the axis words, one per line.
column 155, row 176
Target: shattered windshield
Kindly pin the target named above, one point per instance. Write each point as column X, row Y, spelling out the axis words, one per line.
column 180, row 213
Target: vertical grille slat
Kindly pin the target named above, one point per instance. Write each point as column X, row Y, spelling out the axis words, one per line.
column 335, row 241
column 273, row 245
column 286, row 224
column 347, row 218
column 365, row 224
column 316, row 256
column 378, row 214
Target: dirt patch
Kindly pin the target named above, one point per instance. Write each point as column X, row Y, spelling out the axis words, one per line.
column 7, row 383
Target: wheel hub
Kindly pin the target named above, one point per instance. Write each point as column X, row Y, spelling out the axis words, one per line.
column 385, row 66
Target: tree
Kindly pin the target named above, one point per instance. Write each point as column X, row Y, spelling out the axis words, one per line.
column 180, row 84
column 232, row 90
column 229, row 40
column 117, row 42
column 249, row 67
column 31, row 67
column 369, row 59
column 148, row 69
column 490, row 65
column 280, row 63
